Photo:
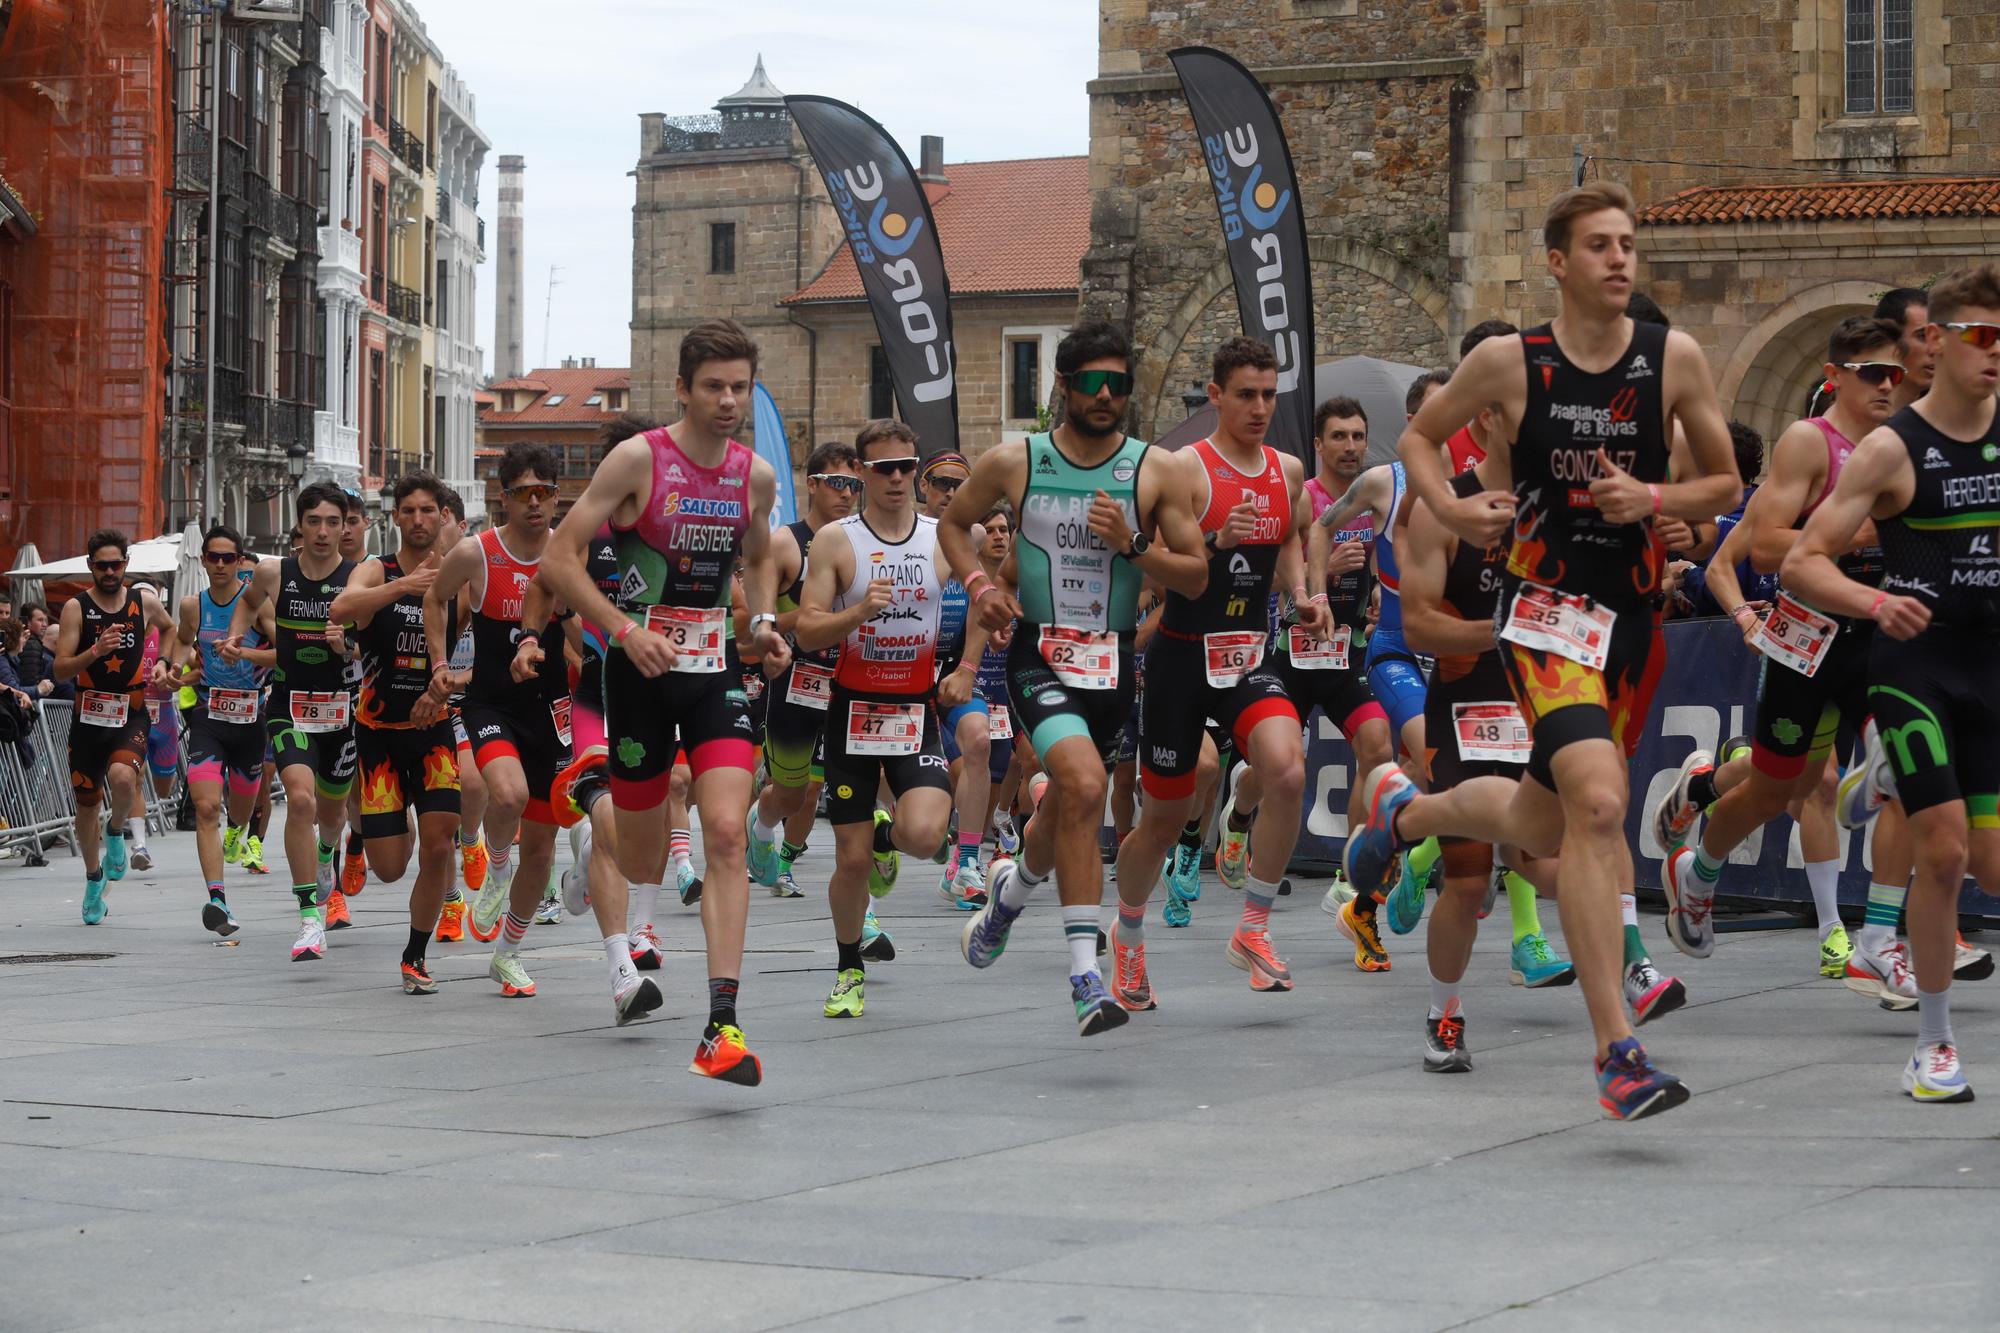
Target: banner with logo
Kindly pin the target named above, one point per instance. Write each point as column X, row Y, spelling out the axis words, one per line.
column 1256, row 193
column 774, row 449
column 894, row 241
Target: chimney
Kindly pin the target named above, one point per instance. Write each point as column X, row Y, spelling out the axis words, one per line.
column 569, row 363
column 590, row 363
column 509, row 338
column 930, row 165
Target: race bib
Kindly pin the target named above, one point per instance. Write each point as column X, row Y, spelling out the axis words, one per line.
column 1491, row 733
column 559, row 712
column 999, row 723
column 811, row 687
column 232, row 705
column 695, row 632
column 1796, row 636
column 1554, row 622
column 1227, row 656
column 153, row 711
column 884, row 728
column 1081, row 660
column 1309, row 654
column 103, row 710
column 319, row 712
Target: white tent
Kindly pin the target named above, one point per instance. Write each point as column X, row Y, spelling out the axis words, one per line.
column 155, row 556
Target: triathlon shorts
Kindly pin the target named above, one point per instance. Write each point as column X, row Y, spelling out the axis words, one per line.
column 1395, row 680
column 853, row 779
column 1048, row 710
column 215, row 748
column 1343, row 695
column 163, row 738
column 93, row 750
column 792, row 730
column 330, row 755
column 647, row 720
column 1934, row 706
column 1173, row 716
column 1799, row 717
column 1565, row 702
column 406, row 768
column 532, row 741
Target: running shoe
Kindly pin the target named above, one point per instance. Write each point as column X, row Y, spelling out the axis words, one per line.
column 1865, row 786
column 490, row 903
column 354, row 872
column 253, row 855
column 971, row 884
column 549, row 912
column 1338, row 895
column 1369, row 955
column 1883, row 974
column 1650, row 994
column 576, row 879
column 142, row 855
column 216, row 916
column 947, row 847
column 116, row 858
column 93, row 899
column 688, row 883
column 1933, row 1074
column 417, row 979
column 1533, row 964
column 984, row 937
column 645, row 948
column 232, row 845
column 1096, row 1011
column 1175, row 910
column 1971, row 964
column 1251, row 950
column 1833, row 953
column 948, row 889
column 1495, row 884
column 634, row 997
column 887, row 865
column 451, row 922
column 1405, row 904
column 724, row 1055
column 1005, row 836
column 1689, row 903
column 1129, row 985
column 1232, row 849
column 336, row 912
column 473, row 863
column 513, row 978
column 1370, row 853
column 311, row 942
column 324, row 881
column 1674, row 816
column 1445, row 1051
column 849, row 995
column 763, row 856
column 1184, row 871
column 1731, row 748
column 787, row 887
column 1630, row 1088
column 876, row 946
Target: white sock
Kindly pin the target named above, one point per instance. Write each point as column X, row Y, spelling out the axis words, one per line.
column 1629, row 905
column 1934, row 1016
column 1824, row 878
column 498, row 858
column 759, row 830
column 679, row 859
column 135, row 829
column 640, row 910
column 1020, row 887
column 1444, row 994
column 1080, row 927
column 618, row 953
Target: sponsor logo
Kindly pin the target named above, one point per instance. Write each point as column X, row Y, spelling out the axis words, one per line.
column 291, row 585
column 1163, row 758
column 697, row 507
column 673, row 473
column 1251, row 206
column 1787, row 731
column 1125, row 469
column 630, row 752
column 1045, row 466
column 880, row 243
column 932, row 761
column 1989, row 452
column 1934, row 459
column 489, row 731
column 1640, row 368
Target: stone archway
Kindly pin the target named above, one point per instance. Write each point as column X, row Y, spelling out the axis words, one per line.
column 1766, row 379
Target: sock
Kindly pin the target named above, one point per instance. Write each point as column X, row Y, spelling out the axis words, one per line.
column 644, row 897
column 1635, row 950
column 1707, row 868
column 1701, row 790
column 1240, row 820
column 1444, row 994
column 1933, row 1017
column 135, row 829
column 850, row 955
column 354, row 842
column 760, row 830
column 1080, row 928
column 451, row 893
column 325, row 851
column 1422, row 857
column 1364, row 904
column 1258, row 895
column 1824, row 877
column 1131, row 923
column 215, row 891
column 885, row 837
column 257, row 818
column 618, row 955
column 1021, row 886
column 790, row 852
column 468, row 838
column 1191, row 834
column 305, row 893
column 513, row 929
column 968, row 847
column 413, row 952
column 722, row 1002
column 1885, row 909
column 680, row 846
column 1521, row 907
column 498, row 859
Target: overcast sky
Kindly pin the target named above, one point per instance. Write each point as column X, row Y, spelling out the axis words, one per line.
column 564, row 84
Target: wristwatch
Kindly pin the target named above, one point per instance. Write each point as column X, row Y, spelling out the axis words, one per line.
column 1138, row 546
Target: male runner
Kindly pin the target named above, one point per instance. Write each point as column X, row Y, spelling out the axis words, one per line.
column 966, row 729
column 405, row 740
column 309, row 718
column 685, row 501
column 471, row 846
column 998, row 523
column 874, row 586
column 1207, row 661
column 1088, row 508
column 1930, row 480
column 353, row 864
column 1589, row 402
column 520, row 730
column 98, row 642
column 798, row 697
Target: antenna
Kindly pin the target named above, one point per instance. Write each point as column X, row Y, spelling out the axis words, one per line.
column 547, row 307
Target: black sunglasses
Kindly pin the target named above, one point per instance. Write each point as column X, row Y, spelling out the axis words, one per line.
column 1876, row 372
column 888, row 467
column 106, row 566
column 839, row 481
column 943, row 485
column 1090, row 383
column 221, row 557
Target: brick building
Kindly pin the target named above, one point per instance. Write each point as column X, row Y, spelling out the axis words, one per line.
column 1430, row 134
column 566, row 408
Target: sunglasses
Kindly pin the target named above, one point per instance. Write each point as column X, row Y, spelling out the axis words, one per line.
column 1982, row 336
column 943, row 485
column 893, row 467
column 1090, row 383
column 839, row 481
column 1876, row 372
column 221, row 557
column 530, row 494
column 107, row 566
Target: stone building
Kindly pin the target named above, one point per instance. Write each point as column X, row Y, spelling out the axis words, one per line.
column 566, row 407
column 1429, row 136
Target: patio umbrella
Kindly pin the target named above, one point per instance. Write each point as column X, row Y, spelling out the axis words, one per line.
column 27, row 591
column 189, row 577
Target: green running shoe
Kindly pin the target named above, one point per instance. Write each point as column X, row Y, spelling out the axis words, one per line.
column 847, row 997
column 232, row 845
column 1834, row 952
column 93, row 900
column 882, row 875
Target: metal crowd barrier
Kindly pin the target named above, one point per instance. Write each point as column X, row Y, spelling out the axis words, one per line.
column 35, row 799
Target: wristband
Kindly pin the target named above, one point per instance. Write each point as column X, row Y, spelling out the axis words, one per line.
column 1658, row 499
column 1742, row 609
column 978, row 575
column 1299, row 596
column 1880, row 598
column 967, row 666
column 618, row 635
column 982, row 592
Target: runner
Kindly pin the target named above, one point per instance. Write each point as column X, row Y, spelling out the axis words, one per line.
column 99, row 643
column 998, row 523
column 1577, row 598
column 873, row 585
column 966, row 729
column 1929, row 480
column 1207, row 661
column 798, row 697
column 685, row 500
column 1089, row 508
column 520, row 730
column 309, row 718
column 404, row 738
column 471, row 847
column 353, row 877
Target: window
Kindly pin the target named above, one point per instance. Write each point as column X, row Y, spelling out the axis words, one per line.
column 257, row 143
column 722, row 247
column 554, row 400
column 255, row 314
column 595, row 400
column 232, row 91
column 1024, row 378
column 229, row 304
column 375, row 458
column 382, row 79
column 299, row 355
column 443, row 290
column 299, row 133
column 881, row 385
column 378, row 241
column 1881, row 57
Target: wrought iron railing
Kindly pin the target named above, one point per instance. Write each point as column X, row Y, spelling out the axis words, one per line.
column 405, row 304
column 444, row 206
column 406, row 145
column 700, row 134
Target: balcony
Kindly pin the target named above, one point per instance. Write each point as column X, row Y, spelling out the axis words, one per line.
column 482, row 237
column 407, row 146
column 340, row 250
column 707, row 134
column 334, row 446
column 444, row 206
column 275, row 424
column 405, row 303
column 191, row 155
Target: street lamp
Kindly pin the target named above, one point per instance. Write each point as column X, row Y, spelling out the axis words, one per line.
column 1194, row 398
column 296, row 458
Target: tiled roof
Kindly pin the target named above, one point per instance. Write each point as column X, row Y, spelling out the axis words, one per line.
column 575, row 385
column 1954, row 197
column 1019, row 226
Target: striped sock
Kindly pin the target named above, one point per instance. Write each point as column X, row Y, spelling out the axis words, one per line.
column 513, row 929
column 1080, row 928
column 1131, row 924
column 968, row 847
column 1635, row 948
column 680, row 845
column 1885, row 912
column 790, row 852
column 1258, row 895
column 215, row 890
column 1706, row 868
column 498, row 859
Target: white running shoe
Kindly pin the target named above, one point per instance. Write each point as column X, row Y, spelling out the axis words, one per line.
column 576, row 879
column 1933, row 1074
column 1689, row 903
column 324, row 874
column 1882, row 974
column 491, row 900
column 1867, row 785
column 634, row 997
column 1338, row 895
column 1674, row 816
column 311, row 943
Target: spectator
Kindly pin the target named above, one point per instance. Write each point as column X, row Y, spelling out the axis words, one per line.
column 35, row 660
column 1756, row 587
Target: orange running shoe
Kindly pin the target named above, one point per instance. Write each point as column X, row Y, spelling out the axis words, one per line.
column 473, row 862
column 723, row 1055
column 336, row 911
column 1129, row 985
column 353, row 873
column 1251, row 950
column 417, row 979
column 451, row 923
column 1369, row 955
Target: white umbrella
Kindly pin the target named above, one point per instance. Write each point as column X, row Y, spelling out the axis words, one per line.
column 27, row 591
column 155, row 555
column 189, row 576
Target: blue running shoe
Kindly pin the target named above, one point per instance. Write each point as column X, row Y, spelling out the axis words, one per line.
column 1005, row 836
column 984, row 938
column 763, row 857
column 1184, row 871
column 1405, row 906
column 1176, row 912
column 1533, row 963
column 1369, row 853
column 876, row 946
column 115, row 857
column 93, row 899
column 1096, row 1011
column 1630, row 1088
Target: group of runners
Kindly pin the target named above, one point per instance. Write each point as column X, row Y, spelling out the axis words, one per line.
column 939, row 645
